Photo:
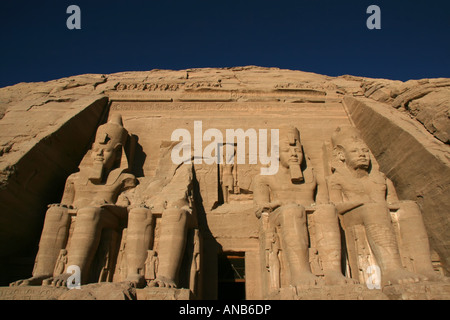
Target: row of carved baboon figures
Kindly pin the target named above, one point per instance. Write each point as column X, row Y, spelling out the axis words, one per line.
column 104, row 196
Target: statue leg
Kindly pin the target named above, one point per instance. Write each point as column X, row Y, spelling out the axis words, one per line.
column 139, row 238
column 382, row 240
column 328, row 237
column 274, row 268
column 172, row 242
column 294, row 236
column 415, row 239
column 53, row 239
column 85, row 240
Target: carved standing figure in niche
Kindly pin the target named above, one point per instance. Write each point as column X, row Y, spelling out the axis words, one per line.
column 61, row 263
column 169, row 193
column 364, row 196
column 151, row 265
column 196, row 262
column 285, row 197
column 273, row 261
column 228, row 173
column 92, row 194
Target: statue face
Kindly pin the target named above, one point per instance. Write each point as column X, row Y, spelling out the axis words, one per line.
column 290, row 154
column 104, row 151
column 356, row 155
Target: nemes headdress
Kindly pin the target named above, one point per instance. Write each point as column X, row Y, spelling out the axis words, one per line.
column 115, row 135
column 291, row 133
column 343, row 134
column 112, row 132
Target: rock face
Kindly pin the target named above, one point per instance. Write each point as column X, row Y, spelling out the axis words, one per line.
column 424, row 100
column 207, row 230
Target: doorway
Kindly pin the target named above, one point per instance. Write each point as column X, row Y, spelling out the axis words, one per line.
column 231, row 276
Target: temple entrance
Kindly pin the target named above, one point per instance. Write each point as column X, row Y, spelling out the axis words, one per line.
column 231, row 276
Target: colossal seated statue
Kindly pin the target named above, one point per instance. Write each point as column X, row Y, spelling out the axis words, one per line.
column 168, row 194
column 92, row 197
column 284, row 199
column 364, row 196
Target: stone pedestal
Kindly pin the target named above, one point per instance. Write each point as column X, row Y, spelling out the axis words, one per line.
column 123, row 291
column 163, row 294
column 345, row 292
column 419, row 291
column 96, row 291
column 413, row 291
column 31, row 293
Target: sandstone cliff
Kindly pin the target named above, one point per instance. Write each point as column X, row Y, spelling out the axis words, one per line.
column 46, row 128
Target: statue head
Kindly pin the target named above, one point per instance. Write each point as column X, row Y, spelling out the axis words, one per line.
column 290, row 147
column 349, row 148
column 107, row 148
column 291, row 154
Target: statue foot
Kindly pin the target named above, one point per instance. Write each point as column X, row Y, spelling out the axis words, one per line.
column 433, row 276
column 337, row 278
column 306, row 279
column 162, row 282
column 400, row 276
column 136, row 280
column 58, row 282
column 33, row 281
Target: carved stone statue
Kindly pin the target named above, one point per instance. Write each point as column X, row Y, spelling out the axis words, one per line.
column 169, row 194
column 228, row 173
column 364, row 195
column 286, row 197
column 273, row 261
column 151, row 265
column 196, row 263
column 60, row 266
column 92, row 196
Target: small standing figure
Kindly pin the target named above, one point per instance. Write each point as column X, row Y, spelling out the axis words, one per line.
column 228, row 172
column 151, row 266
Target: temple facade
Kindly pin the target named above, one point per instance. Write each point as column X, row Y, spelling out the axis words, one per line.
column 236, row 183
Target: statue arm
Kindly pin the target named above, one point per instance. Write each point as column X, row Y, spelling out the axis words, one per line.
column 176, row 193
column 122, row 200
column 335, row 190
column 261, row 192
column 322, row 192
column 69, row 192
column 337, row 199
column 129, row 181
column 391, row 195
column 261, row 197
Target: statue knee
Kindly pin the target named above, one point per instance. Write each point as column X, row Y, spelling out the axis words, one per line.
column 56, row 214
column 409, row 205
column 375, row 213
column 409, row 209
column 291, row 213
column 326, row 211
column 175, row 215
column 89, row 214
column 140, row 214
column 376, row 207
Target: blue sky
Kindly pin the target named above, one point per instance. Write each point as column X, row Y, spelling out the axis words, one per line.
column 322, row 36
